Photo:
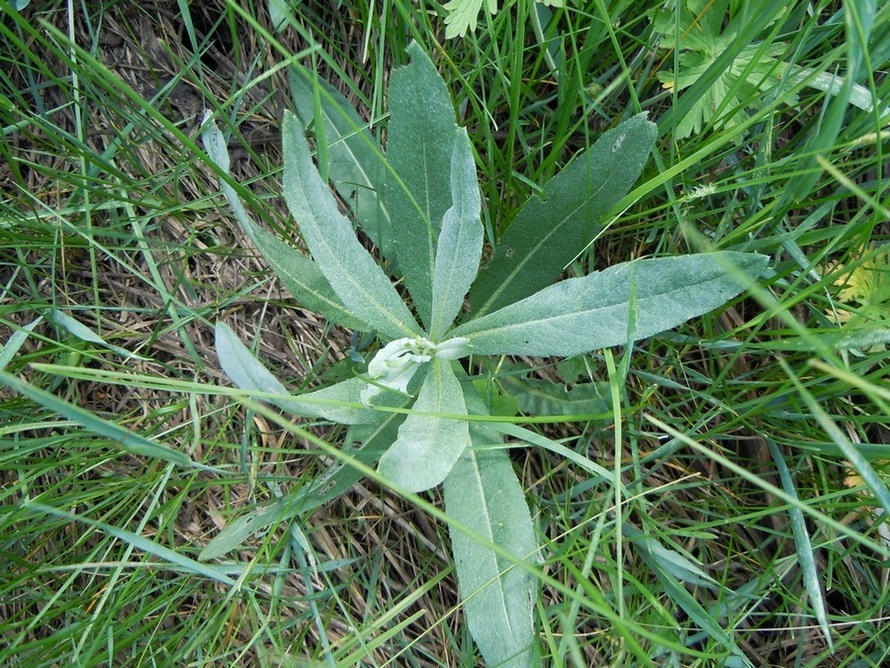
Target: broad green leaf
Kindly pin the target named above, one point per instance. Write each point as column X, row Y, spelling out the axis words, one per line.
column 429, row 443
column 460, row 241
column 356, row 164
column 546, row 235
column 339, row 403
column 279, row 14
column 300, row 275
column 482, row 494
column 351, row 271
column 582, row 314
column 303, row 278
column 418, row 149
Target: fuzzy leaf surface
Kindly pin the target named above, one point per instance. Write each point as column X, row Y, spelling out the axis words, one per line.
column 429, row 444
column 582, row 314
column 460, row 240
column 546, row 235
column 483, row 494
column 351, row 271
column 355, row 162
column 300, row 275
column 418, row 192
column 248, row 373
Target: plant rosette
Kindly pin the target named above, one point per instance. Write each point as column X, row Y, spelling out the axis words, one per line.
column 420, row 204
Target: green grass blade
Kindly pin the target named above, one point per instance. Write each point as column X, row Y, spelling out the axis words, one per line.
column 337, row 480
column 141, row 543
column 130, row 441
column 803, row 546
column 859, row 463
column 16, row 341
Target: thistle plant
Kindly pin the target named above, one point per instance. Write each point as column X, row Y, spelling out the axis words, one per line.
column 420, row 205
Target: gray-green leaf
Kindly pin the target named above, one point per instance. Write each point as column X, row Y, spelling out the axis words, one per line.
column 483, row 494
column 418, row 149
column 582, row 314
column 340, row 402
column 460, row 241
column 429, row 443
column 352, row 272
column 356, row 165
column 546, row 235
column 300, row 275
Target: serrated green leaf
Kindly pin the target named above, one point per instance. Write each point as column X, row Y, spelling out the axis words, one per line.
column 546, row 235
column 301, row 276
column 351, row 271
column 429, row 444
column 483, row 494
column 418, row 149
column 460, row 241
column 356, row 164
column 743, row 31
column 340, row 402
column 582, row 314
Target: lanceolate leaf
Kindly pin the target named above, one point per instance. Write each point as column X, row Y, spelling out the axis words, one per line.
column 300, row 275
column 349, row 268
column 429, row 444
column 356, row 165
column 418, row 192
column 582, row 314
column 460, row 241
column 546, row 235
column 340, row 402
column 483, row 494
